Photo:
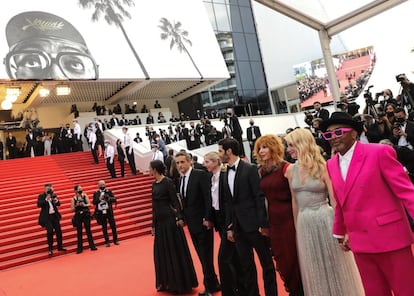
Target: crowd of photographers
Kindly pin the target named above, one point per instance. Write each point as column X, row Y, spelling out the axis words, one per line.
column 387, row 119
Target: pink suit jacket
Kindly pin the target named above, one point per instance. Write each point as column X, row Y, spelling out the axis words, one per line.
column 370, row 202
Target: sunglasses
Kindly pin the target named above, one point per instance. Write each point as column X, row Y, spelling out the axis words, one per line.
column 336, row 133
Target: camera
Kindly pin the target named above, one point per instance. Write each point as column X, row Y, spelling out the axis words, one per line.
column 400, row 77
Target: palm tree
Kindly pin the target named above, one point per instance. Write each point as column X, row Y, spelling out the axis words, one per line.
column 109, row 8
column 178, row 37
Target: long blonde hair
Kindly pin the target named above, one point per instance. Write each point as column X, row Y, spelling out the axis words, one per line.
column 308, row 152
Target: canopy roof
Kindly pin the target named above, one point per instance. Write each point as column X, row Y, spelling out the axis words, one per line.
column 334, row 16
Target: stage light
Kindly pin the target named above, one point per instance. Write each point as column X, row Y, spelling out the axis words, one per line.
column 62, row 90
column 6, row 105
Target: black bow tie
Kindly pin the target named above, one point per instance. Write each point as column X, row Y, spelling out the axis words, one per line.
column 231, row 167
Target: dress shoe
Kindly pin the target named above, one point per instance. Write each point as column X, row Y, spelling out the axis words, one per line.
column 107, row 244
column 116, row 243
column 50, row 253
column 216, row 288
column 94, row 248
column 62, row 249
column 205, row 293
column 79, row 251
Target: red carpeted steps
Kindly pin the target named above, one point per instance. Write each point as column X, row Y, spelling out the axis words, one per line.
column 23, row 241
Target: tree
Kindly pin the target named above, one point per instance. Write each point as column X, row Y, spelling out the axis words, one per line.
column 178, row 37
column 114, row 13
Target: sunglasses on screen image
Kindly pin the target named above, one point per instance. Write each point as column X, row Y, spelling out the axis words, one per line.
column 336, row 133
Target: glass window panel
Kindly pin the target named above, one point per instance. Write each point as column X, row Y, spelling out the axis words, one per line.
column 235, row 18
column 258, row 75
column 223, row 23
column 246, row 75
column 247, row 17
column 240, row 49
column 210, row 12
column 252, row 47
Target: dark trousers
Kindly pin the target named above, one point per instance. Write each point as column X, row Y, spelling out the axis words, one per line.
column 95, row 155
column 252, row 158
column 245, row 243
column 131, row 160
column 228, row 259
column 203, row 244
column 111, row 167
column 87, row 222
column 111, row 220
column 122, row 165
column 229, row 266
column 53, row 226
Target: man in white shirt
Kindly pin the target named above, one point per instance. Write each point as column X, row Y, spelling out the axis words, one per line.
column 77, row 131
column 129, row 151
column 109, row 156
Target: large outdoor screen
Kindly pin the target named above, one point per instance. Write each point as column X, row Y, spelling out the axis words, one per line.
column 95, row 39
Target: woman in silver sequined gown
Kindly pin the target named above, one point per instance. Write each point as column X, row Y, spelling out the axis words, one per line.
column 325, row 268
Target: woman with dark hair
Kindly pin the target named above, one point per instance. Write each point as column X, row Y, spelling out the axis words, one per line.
column 80, row 205
column 174, row 269
column 269, row 152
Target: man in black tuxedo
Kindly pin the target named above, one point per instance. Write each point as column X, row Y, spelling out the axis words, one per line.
column 320, row 112
column 49, row 217
column 104, row 214
column 236, row 130
column 253, row 133
column 246, row 219
column 114, row 121
column 228, row 259
column 402, row 130
column 195, row 187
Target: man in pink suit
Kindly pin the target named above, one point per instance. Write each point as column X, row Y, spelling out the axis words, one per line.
column 371, row 190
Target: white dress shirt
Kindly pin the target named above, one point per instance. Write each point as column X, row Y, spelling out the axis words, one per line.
column 345, row 161
column 232, row 175
column 215, row 183
column 110, row 153
column 187, row 176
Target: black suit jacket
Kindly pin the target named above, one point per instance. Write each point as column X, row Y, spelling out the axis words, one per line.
column 409, row 130
column 236, row 129
column 245, row 210
column 323, row 114
column 44, row 209
column 197, row 200
column 253, row 130
column 109, row 197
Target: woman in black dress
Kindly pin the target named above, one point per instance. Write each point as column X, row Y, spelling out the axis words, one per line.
column 174, row 269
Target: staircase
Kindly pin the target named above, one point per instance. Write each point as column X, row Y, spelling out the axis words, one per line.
column 23, row 241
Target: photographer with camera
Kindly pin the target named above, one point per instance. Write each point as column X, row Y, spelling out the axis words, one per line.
column 403, row 130
column 49, row 217
column 80, row 205
column 406, row 92
column 104, row 214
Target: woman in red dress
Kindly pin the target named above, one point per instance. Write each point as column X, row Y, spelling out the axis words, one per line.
column 269, row 151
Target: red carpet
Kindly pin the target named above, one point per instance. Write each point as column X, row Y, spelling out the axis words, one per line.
column 349, row 66
column 125, row 270
column 22, row 240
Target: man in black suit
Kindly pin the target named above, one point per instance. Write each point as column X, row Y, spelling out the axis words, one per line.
column 104, row 214
column 253, row 133
column 236, row 130
column 195, row 187
column 49, row 217
column 246, row 219
column 319, row 111
column 228, row 259
column 403, row 130
column 114, row 121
